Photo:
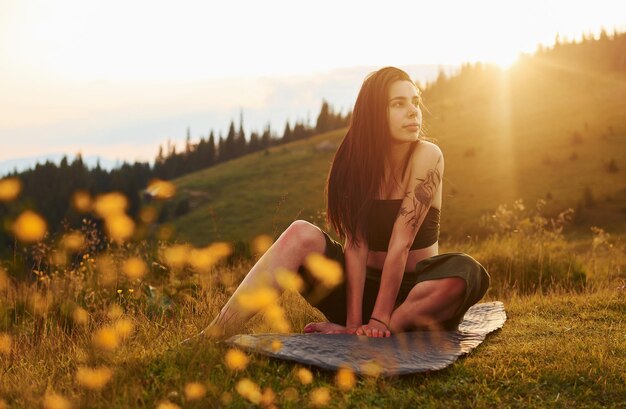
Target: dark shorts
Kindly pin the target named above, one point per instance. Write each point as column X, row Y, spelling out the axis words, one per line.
column 333, row 304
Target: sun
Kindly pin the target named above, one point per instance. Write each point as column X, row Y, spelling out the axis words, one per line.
column 505, row 59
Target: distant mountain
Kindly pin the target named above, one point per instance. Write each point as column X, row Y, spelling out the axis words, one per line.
column 21, row 164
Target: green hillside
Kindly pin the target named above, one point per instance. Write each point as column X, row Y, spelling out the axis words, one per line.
column 255, row 194
column 540, row 130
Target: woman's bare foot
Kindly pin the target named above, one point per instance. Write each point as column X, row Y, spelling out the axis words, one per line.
column 324, row 328
column 210, row 333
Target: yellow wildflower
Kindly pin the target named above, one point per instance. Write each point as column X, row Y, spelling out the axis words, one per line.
column 257, row 299
column 275, row 317
column 371, row 368
column 249, row 390
column 202, row 259
column 9, row 189
column 328, row 271
column 5, row 343
column 176, row 256
column 29, row 227
column 304, row 376
column 106, row 338
column 221, row 249
column 161, row 189
column 345, row 379
column 320, row 396
column 134, row 268
column 268, row 397
column 110, row 204
column 236, row 359
column 93, row 378
column 289, row 280
column 276, row 345
column 81, row 200
column 119, row 227
column 123, row 327
column 55, row 401
column 261, row 243
column 194, row 391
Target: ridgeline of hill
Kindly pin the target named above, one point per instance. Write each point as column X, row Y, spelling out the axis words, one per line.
column 544, row 129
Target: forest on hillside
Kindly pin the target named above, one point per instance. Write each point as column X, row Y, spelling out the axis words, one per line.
column 48, row 188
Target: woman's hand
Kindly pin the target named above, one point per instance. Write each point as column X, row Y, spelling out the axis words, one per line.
column 374, row 329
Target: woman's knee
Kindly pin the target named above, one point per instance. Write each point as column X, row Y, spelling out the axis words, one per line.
column 465, row 262
column 476, row 269
column 305, row 235
column 454, row 287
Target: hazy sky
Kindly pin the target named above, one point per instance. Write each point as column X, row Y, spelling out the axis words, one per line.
column 118, row 78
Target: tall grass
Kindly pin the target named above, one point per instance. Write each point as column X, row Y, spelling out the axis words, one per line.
column 526, row 252
column 88, row 329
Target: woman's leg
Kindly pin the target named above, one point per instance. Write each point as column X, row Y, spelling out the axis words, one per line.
column 429, row 304
column 447, row 285
column 288, row 252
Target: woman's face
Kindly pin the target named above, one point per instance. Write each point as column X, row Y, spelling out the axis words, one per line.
column 403, row 112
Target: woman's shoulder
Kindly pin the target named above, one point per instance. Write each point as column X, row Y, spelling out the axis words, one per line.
column 427, row 148
column 426, row 154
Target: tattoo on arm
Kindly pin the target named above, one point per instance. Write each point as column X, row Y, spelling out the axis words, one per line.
column 422, row 196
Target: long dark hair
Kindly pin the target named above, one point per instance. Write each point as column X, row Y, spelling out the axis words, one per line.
column 357, row 170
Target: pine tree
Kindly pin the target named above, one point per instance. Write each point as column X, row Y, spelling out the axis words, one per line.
column 221, row 149
column 209, row 159
column 323, row 119
column 299, row 132
column 229, row 143
column 255, row 143
column 287, row 135
column 240, row 145
column 266, row 138
column 188, row 146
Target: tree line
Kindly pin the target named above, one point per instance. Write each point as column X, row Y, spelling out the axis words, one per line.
column 48, row 188
column 170, row 164
column 604, row 53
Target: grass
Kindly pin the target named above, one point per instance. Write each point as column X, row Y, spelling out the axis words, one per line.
column 558, row 350
column 563, row 345
column 264, row 204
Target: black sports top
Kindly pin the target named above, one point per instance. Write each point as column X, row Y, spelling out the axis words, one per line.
column 383, row 215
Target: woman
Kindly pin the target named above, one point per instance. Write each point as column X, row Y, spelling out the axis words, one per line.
column 384, row 195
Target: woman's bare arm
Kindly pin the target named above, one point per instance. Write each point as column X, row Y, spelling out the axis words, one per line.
column 356, row 263
column 424, row 184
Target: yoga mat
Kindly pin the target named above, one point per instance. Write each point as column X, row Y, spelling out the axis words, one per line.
column 400, row 354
